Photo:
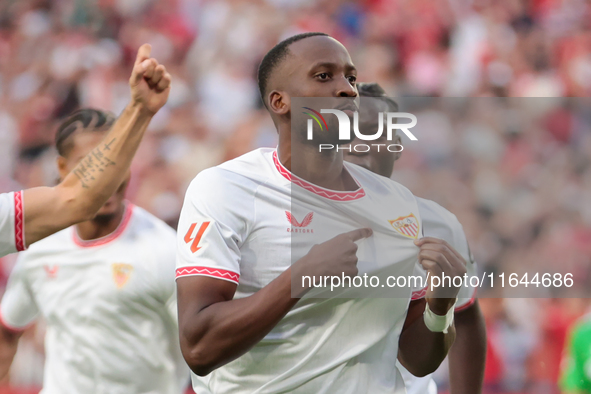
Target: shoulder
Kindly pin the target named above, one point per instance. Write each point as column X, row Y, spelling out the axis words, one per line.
column 252, row 164
column 149, row 225
column 240, row 175
column 433, row 213
column 230, row 186
column 152, row 240
column 582, row 329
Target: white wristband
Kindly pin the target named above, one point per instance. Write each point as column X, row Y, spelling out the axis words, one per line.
column 438, row 323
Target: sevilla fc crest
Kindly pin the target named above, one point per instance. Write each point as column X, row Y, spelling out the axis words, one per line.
column 121, row 273
column 294, row 222
column 407, row 226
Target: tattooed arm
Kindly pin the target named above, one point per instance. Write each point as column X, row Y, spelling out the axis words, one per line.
column 84, row 190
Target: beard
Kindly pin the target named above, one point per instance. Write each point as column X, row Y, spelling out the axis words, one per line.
column 103, row 219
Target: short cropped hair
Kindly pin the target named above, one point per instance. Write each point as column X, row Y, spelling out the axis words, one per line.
column 274, row 57
column 372, row 89
column 87, row 120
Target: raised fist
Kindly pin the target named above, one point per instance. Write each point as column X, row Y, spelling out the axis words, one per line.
column 149, row 81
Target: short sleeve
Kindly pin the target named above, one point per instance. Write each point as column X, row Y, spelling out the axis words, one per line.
column 12, row 223
column 18, row 308
column 467, row 293
column 212, row 226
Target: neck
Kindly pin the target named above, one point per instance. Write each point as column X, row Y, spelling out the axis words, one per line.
column 324, row 169
column 100, row 227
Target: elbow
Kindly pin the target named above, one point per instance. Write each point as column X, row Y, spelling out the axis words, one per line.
column 423, row 371
column 74, row 208
column 200, row 361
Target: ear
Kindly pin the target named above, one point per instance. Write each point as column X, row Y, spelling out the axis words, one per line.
column 397, row 140
column 62, row 166
column 279, row 102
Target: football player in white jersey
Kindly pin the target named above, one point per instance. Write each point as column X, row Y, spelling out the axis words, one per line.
column 467, row 355
column 251, row 225
column 105, row 288
column 33, row 214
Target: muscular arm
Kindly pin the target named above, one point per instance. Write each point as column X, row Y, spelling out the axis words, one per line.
column 215, row 329
column 84, row 191
column 8, row 344
column 468, row 354
column 422, row 351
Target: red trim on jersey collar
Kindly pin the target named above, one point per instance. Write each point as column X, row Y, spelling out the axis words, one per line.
column 208, row 271
column 322, row 192
column 19, row 221
column 107, row 238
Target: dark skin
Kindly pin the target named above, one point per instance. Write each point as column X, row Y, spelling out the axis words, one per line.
column 467, row 356
column 105, row 222
column 216, row 329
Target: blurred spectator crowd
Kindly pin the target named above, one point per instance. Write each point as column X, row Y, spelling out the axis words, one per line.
column 520, row 188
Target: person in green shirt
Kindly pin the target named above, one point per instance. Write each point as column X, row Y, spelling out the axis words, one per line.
column 575, row 376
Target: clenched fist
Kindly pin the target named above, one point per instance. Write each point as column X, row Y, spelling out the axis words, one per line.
column 439, row 259
column 149, row 81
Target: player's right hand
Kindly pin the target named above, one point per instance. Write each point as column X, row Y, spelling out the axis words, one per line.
column 335, row 257
column 149, row 81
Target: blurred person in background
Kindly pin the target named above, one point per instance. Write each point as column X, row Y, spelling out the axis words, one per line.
column 33, row 214
column 468, row 354
column 105, row 287
column 576, row 365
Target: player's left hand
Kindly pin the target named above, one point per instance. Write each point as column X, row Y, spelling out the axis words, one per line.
column 149, row 81
column 439, row 259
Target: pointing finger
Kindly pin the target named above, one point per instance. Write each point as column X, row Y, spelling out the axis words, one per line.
column 360, row 233
column 140, row 65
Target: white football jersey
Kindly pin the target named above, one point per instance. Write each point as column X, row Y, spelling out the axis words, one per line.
column 248, row 219
column 12, row 223
column 440, row 223
column 109, row 306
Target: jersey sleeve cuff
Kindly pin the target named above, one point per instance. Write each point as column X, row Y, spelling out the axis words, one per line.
column 467, row 304
column 19, row 221
column 218, row 273
column 418, row 294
